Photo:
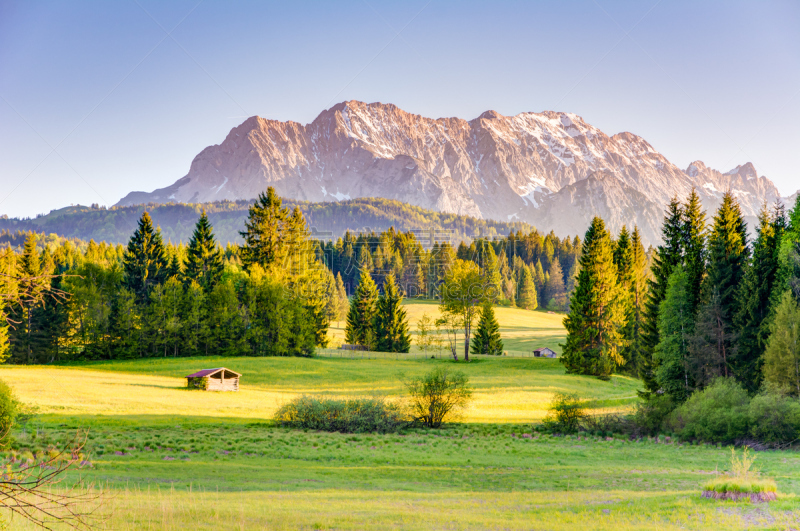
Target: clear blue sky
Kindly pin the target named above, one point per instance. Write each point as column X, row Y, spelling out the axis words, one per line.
column 101, row 98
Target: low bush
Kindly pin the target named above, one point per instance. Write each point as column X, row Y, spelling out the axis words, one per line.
column 718, row 413
column 567, row 411
column 354, row 415
column 438, row 395
column 9, row 409
column 650, row 414
column 774, row 418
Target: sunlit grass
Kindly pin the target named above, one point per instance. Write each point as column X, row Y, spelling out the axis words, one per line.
column 506, row 390
column 521, row 330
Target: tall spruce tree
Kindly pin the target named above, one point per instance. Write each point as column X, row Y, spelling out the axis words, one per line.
column 526, row 298
column 491, row 272
column 694, row 246
column 268, row 229
column 596, row 315
column 391, row 323
column 487, row 335
column 782, row 355
column 145, row 260
column 359, row 328
column 668, row 256
column 675, row 324
column 754, row 299
column 203, row 257
column 635, row 282
column 728, row 256
column 554, row 289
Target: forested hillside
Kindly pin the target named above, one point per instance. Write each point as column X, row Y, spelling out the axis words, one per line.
column 328, row 219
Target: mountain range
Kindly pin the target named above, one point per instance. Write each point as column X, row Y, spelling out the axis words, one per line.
column 550, row 169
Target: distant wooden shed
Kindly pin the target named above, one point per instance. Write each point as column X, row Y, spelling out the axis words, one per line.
column 544, row 352
column 220, row 379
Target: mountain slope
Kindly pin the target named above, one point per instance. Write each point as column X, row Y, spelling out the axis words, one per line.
column 495, row 166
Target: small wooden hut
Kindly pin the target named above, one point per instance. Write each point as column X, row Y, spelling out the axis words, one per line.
column 220, row 379
column 544, row 352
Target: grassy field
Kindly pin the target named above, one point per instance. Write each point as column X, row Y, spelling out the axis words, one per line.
column 506, row 390
column 521, row 330
column 169, row 458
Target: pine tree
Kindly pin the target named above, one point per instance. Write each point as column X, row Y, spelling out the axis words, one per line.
column 636, row 284
column 487, row 335
column 268, row 229
column 754, row 300
column 555, row 291
column 668, row 256
column 390, row 322
column 710, row 347
column 596, row 316
column 782, row 356
column 174, row 269
column 694, row 246
column 527, row 290
column 145, row 261
column 539, row 280
column 675, row 323
column 26, row 336
column 342, row 302
column 491, row 273
column 204, row 258
column 728, row 257
column 358, row 330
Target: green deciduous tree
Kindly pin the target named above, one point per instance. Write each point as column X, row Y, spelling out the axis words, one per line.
column 596, row 316
column 461, row 294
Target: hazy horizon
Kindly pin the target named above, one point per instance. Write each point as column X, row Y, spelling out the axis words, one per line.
column 99, row 100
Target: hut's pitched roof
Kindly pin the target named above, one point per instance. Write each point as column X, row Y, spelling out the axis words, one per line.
column 209, row 372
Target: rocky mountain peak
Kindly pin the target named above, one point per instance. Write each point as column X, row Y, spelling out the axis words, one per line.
column 552, row 169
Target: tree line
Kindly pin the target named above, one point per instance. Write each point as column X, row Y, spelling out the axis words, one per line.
column 271, row 296
column 714, row 304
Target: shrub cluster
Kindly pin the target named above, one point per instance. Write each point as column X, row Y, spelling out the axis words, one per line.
column 355, row 415
column 723, row 412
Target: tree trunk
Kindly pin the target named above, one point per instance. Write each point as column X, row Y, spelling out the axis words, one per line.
column 466, row 343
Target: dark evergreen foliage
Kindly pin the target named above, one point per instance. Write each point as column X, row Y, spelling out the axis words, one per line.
column 204, row 261
column 391, row 323
column 144, row 262
column 487, row 335
column 597, row 313
column 668, row 255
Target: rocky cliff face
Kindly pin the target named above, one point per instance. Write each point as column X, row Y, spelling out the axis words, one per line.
column 550, row 169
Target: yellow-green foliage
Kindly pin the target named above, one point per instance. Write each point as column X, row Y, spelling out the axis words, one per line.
column 521, row 330
column 734, row 484
column 742, row 477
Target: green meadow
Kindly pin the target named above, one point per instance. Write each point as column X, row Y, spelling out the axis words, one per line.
column 169, row 458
